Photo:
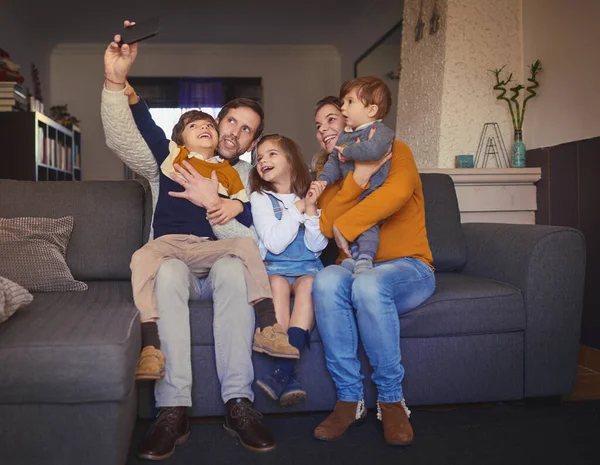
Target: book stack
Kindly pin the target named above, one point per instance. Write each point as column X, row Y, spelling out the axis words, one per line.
column 12, row 97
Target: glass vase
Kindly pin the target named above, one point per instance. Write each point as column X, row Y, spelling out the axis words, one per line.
column 518, row 150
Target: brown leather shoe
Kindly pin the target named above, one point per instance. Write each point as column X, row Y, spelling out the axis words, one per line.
column 170, row 428
column 344, row 415
column 244, row 422
column 151, row 365
column 274, row 341
column 397, row 430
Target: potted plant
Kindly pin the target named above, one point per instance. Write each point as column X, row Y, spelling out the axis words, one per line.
column 518, row 112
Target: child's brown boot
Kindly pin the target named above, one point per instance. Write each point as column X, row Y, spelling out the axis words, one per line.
column 397, row 430
column 274, row 341
column 344, row 415
column 151, row 365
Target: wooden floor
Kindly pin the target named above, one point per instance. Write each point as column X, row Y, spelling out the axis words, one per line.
column 587, row 383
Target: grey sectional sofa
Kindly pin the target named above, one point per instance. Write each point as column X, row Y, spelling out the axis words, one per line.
column 503, row 324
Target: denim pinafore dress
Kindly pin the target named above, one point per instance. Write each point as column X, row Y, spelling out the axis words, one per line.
column 296, row 259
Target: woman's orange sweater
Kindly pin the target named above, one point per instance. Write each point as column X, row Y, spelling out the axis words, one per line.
column 398, row 203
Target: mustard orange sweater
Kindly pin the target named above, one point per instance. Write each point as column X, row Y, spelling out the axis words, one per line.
column 399, row 201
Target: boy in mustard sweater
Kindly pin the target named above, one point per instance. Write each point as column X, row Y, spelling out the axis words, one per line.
column 195, row 139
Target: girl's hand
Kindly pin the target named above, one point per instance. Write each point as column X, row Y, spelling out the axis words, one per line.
column 314, row 192
column 224, row 213
column 341, row 241
column 301, row 206
column 118, row 61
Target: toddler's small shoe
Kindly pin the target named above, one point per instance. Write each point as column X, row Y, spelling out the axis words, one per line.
column 362, row 265
column 274, row 341
column 292, row 394
column 151, row 365
column 274, row 383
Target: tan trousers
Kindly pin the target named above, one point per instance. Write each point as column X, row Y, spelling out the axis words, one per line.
column 199, row 254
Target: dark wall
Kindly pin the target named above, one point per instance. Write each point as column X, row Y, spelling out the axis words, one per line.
column 569, row 195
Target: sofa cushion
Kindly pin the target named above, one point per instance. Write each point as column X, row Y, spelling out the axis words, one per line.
column 109, row 220
column 33, row 252
column 442, row 219
column 461, row 305
column 71, row 347
column 12, row 297
column 466, row 305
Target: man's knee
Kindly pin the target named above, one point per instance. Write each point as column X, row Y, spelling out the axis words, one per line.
column 229, row 271
column 171, row 274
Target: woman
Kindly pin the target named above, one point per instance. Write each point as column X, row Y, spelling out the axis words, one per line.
column 371, row 303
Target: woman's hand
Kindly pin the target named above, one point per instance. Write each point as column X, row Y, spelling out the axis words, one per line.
column 227, row 211
column 118, row 61
column 341, row 241
column 199, row 190
column 363, row 170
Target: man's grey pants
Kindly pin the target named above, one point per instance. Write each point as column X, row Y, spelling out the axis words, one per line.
column 233, row 327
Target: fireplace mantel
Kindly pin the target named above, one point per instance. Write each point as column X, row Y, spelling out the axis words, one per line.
column 494, row 195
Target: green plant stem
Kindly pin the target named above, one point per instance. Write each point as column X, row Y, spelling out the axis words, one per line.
column 535, row 69
column 499, row 87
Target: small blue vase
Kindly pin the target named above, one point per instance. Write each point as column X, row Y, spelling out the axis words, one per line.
column 518, row 150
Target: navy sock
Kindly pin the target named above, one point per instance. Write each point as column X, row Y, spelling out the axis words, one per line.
column 298, row 337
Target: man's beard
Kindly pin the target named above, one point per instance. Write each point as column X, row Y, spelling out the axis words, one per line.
column 226, row 152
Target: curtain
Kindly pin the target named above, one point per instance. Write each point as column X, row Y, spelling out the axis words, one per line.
column 186, row 92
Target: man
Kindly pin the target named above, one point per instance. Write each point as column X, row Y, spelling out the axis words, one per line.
column 240, row 124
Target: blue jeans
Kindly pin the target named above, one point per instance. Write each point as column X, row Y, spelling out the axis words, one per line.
column 369, row 304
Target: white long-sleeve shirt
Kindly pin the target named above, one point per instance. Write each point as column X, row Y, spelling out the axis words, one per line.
column 275, row 235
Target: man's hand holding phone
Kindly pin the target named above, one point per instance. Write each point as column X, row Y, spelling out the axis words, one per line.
column 118, row 61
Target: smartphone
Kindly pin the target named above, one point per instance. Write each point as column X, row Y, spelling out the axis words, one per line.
column 140, row 31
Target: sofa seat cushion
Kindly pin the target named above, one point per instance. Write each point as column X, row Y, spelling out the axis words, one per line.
column 71, row 347
column 461, row 305
column 466, row 305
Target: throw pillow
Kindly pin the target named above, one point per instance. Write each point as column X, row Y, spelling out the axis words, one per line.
column 33, row 253
column 12, row 297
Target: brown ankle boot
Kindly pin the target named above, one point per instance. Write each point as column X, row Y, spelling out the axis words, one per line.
column 344, row 415
column 397, row 430
column 274, row 341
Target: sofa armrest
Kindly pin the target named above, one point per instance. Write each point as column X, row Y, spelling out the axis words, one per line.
column 548, row 264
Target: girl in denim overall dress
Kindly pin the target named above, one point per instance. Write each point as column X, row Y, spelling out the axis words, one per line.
column 285, row 215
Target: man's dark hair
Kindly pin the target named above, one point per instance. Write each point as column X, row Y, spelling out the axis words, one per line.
column 245, row 102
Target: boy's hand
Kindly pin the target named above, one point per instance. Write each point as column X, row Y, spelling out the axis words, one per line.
column 132, row 97
column 340, row 149
column 225, row 212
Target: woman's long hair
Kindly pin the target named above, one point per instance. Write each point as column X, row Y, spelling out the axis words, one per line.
column 320, row 158
column 300, row 176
